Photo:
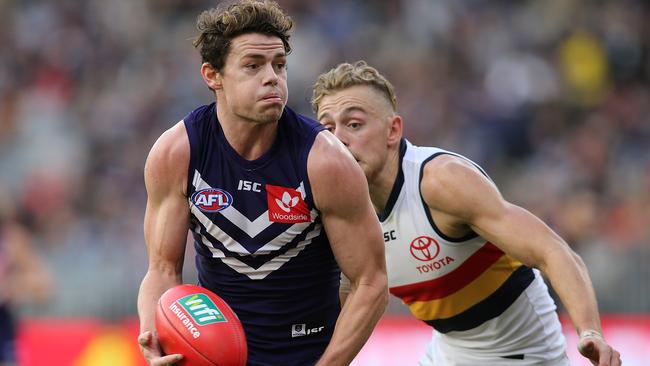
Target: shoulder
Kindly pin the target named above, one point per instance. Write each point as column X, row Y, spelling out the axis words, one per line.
column 450, row 183
column 332, row 170
column 201, row 113
column 329, row 155
column 168, row 160
column 449, row 166
column 301, row 124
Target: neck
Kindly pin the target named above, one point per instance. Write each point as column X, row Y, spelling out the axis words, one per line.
column 250, row 139
column 381, row 184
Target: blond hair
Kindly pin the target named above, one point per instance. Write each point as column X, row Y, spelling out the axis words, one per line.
column 347, row 75
column 218, row 26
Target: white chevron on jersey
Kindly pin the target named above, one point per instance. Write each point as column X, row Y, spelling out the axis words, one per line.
column 234, row 246
column 252, row 228
column 227, row 241
column 257, row 226
column 268, row 267
column 285, row 237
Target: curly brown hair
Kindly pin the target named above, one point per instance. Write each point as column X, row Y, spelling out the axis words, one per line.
column 347, row 75
column 218, row 26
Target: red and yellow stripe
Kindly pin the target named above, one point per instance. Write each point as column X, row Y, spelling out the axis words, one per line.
column 474, row 281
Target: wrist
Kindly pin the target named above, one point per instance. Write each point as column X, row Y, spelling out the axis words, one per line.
column 591, row 333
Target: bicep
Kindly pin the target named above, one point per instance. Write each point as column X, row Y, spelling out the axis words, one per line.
column 341, row 194
column 355, row 237
column 464, row 193
column 519, row 233
column 167, row 214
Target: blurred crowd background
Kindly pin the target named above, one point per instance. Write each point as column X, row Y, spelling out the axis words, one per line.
column 550, row 97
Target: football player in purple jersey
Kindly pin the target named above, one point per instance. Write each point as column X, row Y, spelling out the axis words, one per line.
column 276, row 205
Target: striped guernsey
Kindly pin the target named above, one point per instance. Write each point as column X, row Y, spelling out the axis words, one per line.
column 473, row 294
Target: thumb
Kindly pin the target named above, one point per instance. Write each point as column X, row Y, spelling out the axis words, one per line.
column 588, row 349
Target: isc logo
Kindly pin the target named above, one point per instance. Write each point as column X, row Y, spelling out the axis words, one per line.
column 245, row 185
column 301, row 330
column 211, row 199
column 389, row 235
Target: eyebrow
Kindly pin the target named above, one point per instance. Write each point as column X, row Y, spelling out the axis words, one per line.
column 345, row 112
column 324, row 115
column 259, row 56
column 352, row 109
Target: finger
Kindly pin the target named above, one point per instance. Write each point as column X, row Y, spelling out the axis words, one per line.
column 605, row 356
column 144, row 338
column 616, row 358
column 167, row 360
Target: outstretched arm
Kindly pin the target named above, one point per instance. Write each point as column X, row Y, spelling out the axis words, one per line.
column 165, row 230
column 341, row 194
column 457, row 188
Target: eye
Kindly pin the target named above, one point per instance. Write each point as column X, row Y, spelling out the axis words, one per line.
column 252, row 66
column 281, row 66
column 354, row 125
column 330, row 128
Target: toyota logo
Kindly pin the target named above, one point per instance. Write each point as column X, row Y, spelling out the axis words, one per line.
column 421, row 248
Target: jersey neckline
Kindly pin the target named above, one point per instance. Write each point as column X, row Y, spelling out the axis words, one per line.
column 397, row 186
column 249, row 165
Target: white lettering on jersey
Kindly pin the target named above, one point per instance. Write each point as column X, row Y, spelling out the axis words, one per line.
column 245, row 185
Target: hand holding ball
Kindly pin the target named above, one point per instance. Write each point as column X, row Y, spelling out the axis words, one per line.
column 198, row 324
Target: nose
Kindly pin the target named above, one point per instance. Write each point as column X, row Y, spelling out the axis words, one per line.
column 270, row 76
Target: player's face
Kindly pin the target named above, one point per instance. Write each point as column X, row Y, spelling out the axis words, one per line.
column 360, row 117
column 254, row 78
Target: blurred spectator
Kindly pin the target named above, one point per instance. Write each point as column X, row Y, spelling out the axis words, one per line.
column 548, row 95
column 23, row 277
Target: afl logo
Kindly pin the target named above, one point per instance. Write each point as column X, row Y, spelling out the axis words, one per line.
column 422, row 250
column 211, row 199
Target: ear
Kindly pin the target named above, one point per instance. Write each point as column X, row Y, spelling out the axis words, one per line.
column 211, row 76
column 394, row 130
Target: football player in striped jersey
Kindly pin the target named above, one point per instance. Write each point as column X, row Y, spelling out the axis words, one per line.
column 461, row 257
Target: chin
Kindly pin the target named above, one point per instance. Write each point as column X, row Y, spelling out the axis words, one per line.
column 271, row 116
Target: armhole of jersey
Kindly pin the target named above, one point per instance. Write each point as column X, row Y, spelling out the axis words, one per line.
column 304, row 157
column 191, row 168
column 425, row 206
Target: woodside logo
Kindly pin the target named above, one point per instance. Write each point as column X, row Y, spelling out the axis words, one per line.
column 286, row 205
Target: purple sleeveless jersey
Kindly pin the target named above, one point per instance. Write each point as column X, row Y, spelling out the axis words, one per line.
column 260, row 241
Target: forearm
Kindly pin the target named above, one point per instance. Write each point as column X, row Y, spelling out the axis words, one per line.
column 152, row 287
column 363, row 307
column 570, row 280
column 527, row 238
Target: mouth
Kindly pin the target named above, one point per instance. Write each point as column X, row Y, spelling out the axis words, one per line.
column 272, row 98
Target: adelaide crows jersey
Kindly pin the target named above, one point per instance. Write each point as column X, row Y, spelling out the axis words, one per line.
column 260, row 241
column 480, row 300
